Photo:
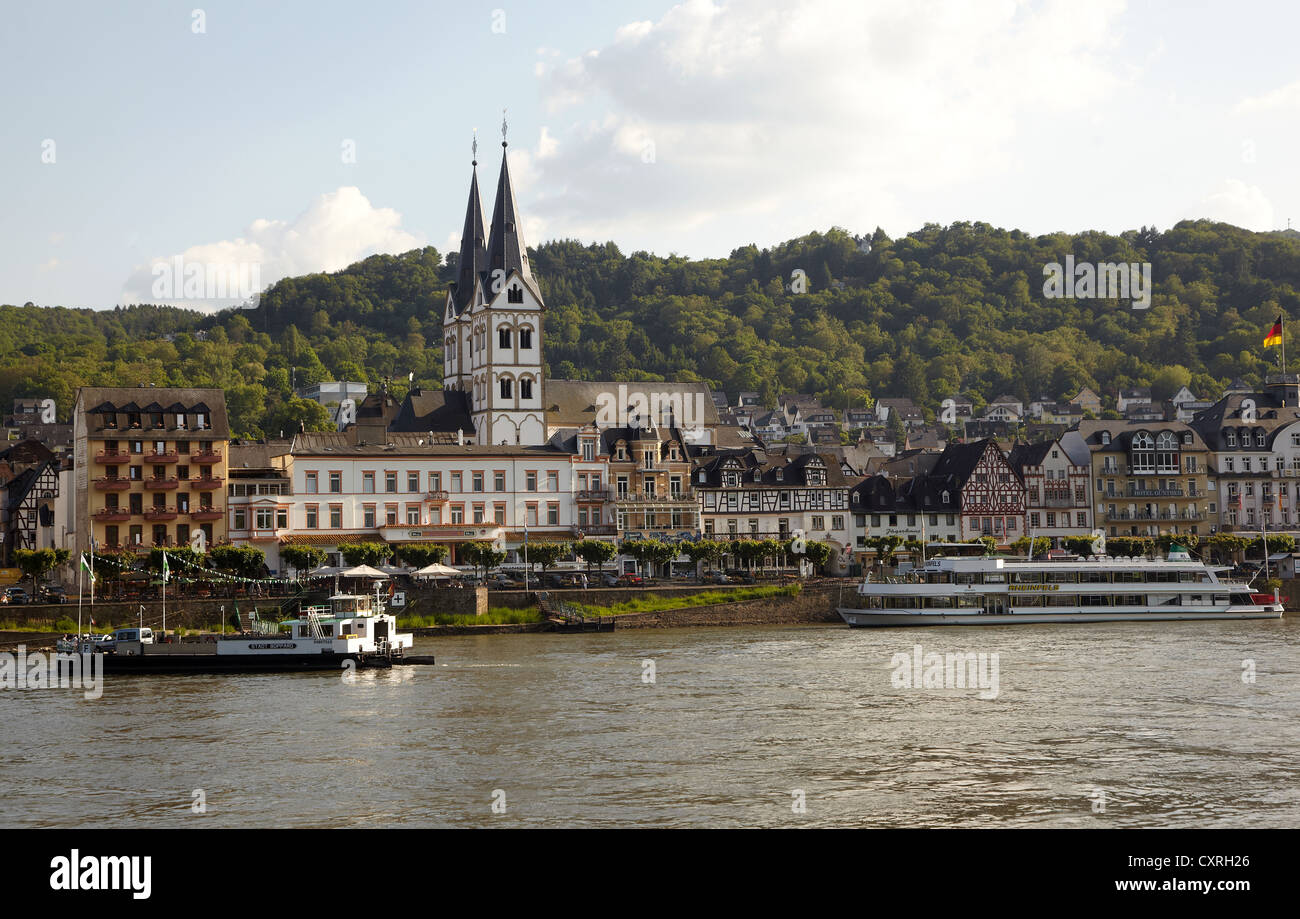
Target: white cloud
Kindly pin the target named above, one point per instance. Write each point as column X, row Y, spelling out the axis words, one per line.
column 805, row 116
column 1239, row 204
column 1284, row 97
column 337, row 229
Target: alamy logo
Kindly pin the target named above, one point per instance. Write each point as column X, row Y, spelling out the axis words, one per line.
column 636, row 408
column 103, row 872
column 182, row 280
column 932, row 670
column 1102, row 281
column 20, row 670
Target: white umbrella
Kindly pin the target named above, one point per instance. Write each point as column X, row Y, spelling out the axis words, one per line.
column 324, row 571
column 362, row 571
column 437, row 570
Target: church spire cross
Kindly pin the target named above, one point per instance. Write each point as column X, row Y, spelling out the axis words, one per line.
column 474, row 147
column 503, row 127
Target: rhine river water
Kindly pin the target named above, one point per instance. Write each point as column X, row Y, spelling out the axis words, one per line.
column 1125, row 724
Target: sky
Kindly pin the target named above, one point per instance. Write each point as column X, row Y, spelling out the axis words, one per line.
column 303, row 136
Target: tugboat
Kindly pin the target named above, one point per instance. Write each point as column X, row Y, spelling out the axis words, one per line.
column 350, row 627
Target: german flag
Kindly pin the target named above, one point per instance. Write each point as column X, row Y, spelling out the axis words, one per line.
column 1274, row 336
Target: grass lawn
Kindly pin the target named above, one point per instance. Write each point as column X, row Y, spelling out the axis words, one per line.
column 653, row 603
column 496, row 615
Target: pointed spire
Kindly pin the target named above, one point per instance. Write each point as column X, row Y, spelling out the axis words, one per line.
column 506, row 249
column 473, row 253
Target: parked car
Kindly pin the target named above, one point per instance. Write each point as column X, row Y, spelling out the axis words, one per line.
column 54, row 594
column 503, row 582
column 714, row 577
column 630, row 580
column 16, row 595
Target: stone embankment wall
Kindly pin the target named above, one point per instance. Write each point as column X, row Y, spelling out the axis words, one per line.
column 191, row 613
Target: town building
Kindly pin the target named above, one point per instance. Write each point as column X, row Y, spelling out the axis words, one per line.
column 150, row 466
column 773, row 494
column 1057, row 502
column 1254, row 439
column 1148, row 478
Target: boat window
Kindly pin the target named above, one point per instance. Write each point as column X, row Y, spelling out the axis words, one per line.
column 994, row 578
column 1061, row 577
column 1095, row 577
column 1027, row 577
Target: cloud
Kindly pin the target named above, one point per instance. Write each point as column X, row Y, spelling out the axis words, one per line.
column 1284, row 97
column 337, row 229
column 753, row 113
column 1239, row 204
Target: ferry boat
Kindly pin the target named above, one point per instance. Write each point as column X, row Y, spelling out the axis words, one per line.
column 1000, row 591
column 349, row 627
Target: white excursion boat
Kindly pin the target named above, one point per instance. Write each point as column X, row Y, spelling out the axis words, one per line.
column 999, row 591
column 351, row 627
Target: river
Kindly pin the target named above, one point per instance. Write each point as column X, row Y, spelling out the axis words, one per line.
column 1123, row 724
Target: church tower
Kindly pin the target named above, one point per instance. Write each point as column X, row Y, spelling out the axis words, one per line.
column 493, row 323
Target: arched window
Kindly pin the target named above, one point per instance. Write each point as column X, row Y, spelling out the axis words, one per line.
column 525, row 338
column 1167, row 452
column 503, row 337
column 525, row 388
column 505, row 388
column 1143, row 452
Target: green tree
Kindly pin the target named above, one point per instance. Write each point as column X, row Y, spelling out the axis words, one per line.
column 421, row 554
column 365, row 553
column 302, row 558
column 482, row 555
column 547, row 554
column 241, row 561
column 595, row 551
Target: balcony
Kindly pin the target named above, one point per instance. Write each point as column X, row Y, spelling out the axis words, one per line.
column 596, row 529
column 167, row 456
column 160, row 484
column 595, row 494
column 207, row 512
column 1160, row 515
column 160, row 512
column 206, row 483
column 112, row 514
column 112, row 483
column 205, row 457
column 112, row 457
column 436, row 496
column 685, row 498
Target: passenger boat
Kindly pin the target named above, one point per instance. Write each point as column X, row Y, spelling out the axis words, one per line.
column 1000, row 591
column 349, row 627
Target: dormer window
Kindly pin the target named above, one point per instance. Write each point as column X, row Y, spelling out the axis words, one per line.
column 758, row 476
column 1232, row 438
column 702, row 476
column 1105, row 437
column 780, row 475
column 946, row 498
column 1259, row 438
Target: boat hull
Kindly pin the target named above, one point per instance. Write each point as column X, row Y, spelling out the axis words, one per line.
column 865, row 618
column 237, row 663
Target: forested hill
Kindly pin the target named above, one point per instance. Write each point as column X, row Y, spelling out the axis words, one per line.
column 940, row 311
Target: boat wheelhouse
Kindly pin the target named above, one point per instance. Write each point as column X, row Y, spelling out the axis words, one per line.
column 999, row 591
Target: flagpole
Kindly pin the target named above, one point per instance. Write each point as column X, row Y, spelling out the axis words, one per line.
column 164, row 591
column 79, row 565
